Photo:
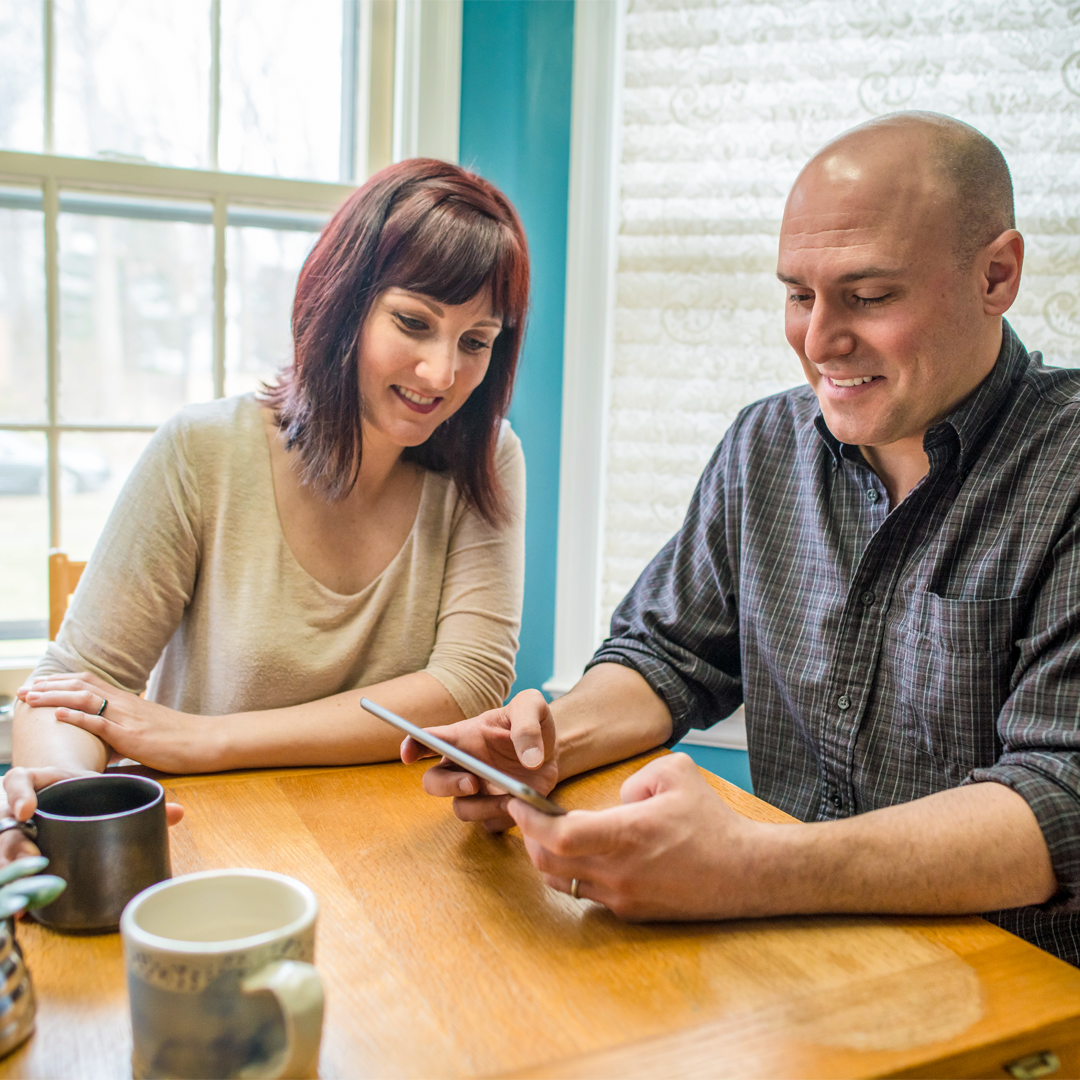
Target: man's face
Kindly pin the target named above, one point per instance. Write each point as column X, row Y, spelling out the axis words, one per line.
column 885, row 325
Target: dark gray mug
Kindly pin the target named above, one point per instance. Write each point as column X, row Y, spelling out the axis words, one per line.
column 107, row 837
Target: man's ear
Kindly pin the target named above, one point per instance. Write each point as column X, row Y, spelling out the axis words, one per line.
column 1000, row 264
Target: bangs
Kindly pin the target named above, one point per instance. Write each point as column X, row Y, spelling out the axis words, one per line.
column 452, row 252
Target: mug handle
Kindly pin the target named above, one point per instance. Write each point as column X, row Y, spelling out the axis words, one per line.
column 299, row 993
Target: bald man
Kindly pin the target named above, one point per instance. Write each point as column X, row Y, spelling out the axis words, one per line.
column 884, row 566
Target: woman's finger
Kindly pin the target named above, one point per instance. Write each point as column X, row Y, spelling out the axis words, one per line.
column 14, row 844
column 88, row 701
column 96, row 725
column 174, row 813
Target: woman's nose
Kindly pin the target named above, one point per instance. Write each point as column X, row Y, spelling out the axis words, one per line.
column 436, row 365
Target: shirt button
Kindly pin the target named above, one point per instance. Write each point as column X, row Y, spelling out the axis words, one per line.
column 873, row 494
column 843, row 702
column 835, row 799
column 868, row 598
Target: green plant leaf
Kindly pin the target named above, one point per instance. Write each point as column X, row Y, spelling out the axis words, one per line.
column 11, row 903
column 28, row 864
column 32, row 892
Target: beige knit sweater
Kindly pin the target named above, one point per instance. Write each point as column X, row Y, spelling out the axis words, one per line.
column 193, row 574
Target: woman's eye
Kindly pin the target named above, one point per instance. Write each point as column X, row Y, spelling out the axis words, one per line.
column 474, row 344
column 410, row 322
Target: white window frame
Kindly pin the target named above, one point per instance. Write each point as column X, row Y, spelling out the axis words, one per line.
column 589, row 342
column 401, row 97
column 589, row 334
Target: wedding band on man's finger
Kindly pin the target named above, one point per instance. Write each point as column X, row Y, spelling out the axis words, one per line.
column 104, row 702
column 574, row 883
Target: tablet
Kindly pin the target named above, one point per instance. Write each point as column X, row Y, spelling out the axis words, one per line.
column 466, row 761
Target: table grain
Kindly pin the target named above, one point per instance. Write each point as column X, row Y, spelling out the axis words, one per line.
column 443, row 954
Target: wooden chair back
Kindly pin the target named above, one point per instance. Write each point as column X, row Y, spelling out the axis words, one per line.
column 64, row 574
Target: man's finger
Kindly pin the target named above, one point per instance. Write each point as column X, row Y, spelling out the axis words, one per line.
column 412, row 751
column 575, row 835
column 661, row 774
column 444, row 781
column 482, row 808
column 528, row 713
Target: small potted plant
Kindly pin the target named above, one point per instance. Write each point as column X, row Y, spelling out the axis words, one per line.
column 21, row 889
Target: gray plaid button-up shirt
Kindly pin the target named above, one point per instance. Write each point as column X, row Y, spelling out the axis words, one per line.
column 883, row 655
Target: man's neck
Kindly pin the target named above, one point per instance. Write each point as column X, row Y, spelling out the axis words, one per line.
column 900, row 466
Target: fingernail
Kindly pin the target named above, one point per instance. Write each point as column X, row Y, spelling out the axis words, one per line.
column 532, row 757
column 465, row 785
column 17, row 808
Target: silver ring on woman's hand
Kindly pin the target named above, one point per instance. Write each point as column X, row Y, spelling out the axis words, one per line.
column 574, row 883
column 104, row 702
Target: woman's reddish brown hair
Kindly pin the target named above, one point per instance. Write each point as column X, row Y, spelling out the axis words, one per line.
column 432, row 228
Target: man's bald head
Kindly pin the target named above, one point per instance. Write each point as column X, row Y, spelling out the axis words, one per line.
column 967, row 167
column 900, row 259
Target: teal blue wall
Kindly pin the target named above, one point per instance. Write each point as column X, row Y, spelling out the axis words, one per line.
column 516, row 71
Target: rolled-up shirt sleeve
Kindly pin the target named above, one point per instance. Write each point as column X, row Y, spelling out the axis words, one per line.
column 678, row 627
column 1039, row 724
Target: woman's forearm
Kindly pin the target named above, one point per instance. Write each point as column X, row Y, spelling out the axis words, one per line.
column 39, row 739
column 332, row 731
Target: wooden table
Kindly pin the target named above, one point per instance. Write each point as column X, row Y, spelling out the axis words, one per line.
column 443, row 954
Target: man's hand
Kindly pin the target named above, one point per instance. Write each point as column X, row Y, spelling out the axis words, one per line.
column 673, row 850
column 518, row 739
column 157, row 736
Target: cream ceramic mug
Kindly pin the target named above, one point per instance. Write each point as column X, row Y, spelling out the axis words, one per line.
column 221, row 979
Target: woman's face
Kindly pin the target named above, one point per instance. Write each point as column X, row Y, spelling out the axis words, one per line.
column 420, row 360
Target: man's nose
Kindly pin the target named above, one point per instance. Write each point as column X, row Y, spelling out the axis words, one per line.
column 828, row 334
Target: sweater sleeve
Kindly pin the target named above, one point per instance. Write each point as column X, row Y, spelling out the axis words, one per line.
column 479, row 618
column 132, row 595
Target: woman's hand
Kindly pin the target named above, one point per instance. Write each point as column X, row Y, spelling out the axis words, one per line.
column 20, row 788
column 142, row 730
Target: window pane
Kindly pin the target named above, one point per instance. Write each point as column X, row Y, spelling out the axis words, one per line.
column 22, row 315
column 22, row 120
column 135, row 317
column 263, row 268
column 24, row 543
column 132, row 78
column 281, row 87
column 93, row 470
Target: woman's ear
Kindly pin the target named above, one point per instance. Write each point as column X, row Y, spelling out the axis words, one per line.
column 1000, row 266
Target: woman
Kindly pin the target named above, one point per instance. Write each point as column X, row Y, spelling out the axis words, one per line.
column 357, row 529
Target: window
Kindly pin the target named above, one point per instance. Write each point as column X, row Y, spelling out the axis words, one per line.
column 691, row 120
column 722, row 105
column 164, row 171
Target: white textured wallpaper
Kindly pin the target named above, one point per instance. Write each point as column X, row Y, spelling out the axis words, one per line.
column 723, row 104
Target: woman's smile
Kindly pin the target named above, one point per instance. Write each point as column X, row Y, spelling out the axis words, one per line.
column 417, row 402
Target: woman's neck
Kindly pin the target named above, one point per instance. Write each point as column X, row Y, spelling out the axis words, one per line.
column 380, row 462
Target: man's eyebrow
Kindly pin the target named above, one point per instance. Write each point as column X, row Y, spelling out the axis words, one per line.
column 853, row 275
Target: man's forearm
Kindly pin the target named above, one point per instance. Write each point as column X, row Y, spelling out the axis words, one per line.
column 611, row 714
column 970, row 849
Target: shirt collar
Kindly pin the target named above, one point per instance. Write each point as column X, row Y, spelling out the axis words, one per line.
column 966, row 427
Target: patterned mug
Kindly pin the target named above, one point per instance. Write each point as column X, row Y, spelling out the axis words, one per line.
column 220, row 976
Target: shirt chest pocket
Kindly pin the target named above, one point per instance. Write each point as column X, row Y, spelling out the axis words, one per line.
column 953, row 668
